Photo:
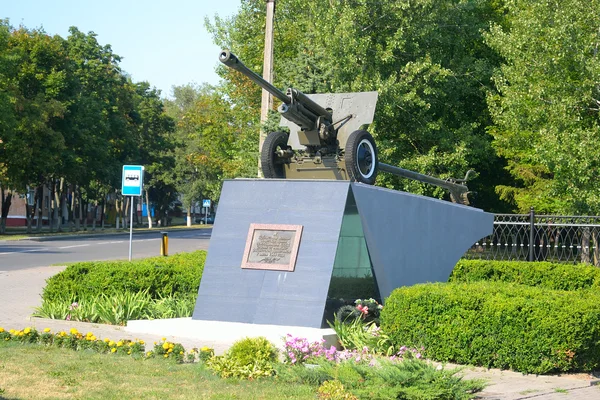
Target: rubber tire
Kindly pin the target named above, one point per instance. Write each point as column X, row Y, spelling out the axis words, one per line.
column 270, row 164
column 351, row 154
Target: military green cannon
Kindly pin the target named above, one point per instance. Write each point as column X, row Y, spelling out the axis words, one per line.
column 327, row 139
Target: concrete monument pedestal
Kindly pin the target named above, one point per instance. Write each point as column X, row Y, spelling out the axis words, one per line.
column 399, row 238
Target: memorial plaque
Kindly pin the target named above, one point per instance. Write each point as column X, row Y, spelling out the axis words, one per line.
column 271, row 246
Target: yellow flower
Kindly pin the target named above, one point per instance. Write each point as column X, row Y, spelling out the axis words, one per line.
column 111, row 343
column 164, row 339
column 142, row 342
column 166, row 355
column 205, row 348
column 181, row 352
column 89, row 334
column 93, row 338
column 170, row 350
column 46, row 330
column 12, row 331
column 119, row 343
column 73, row 331
column 27, row 331
column 106, row 340
column 129, row 352
column 165, row 346
column 1, row 330
column 113, row 349
column 63, row 333
column 148, row 354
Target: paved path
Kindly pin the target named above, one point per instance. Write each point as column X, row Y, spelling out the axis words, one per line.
column 20, row 294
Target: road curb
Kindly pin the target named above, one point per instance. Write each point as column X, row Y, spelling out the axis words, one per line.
column 94, row 235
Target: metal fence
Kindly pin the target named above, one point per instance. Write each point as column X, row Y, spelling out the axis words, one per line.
column 531, row 237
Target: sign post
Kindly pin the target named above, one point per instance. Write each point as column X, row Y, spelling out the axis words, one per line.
column 133, row 182
column 206, row 205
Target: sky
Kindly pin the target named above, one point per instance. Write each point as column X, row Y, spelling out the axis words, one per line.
column 162, row 42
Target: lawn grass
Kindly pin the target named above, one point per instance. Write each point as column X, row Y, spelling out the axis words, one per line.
column 38, row 372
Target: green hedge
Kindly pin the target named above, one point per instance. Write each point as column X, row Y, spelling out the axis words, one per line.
column 492, row 324
column 542, row 274
column 176, row 275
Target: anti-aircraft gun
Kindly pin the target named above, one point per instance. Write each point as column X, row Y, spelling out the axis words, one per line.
column 327, row 139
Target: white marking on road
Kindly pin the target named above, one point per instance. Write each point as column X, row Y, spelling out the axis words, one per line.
column 76, row 245
column 25, row 251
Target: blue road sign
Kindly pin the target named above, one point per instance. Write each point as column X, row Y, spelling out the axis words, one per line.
column 133, row 180
column 205, row 203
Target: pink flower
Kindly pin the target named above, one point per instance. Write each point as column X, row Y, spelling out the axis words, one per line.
column 363, row 309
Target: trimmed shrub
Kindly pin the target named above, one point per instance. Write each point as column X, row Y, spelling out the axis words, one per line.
column 499, row 325
column 173, row 276
column 248, row 358
column 544, row 274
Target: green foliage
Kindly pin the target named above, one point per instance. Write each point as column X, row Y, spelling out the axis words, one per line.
column 427, row 59
column 543, row 274
column 355, row 334
column 547, row 105
column 177, row 275
column 116, row 308
column 334, row 390
column 382, row 379
column 249, row 358
column 493, row 324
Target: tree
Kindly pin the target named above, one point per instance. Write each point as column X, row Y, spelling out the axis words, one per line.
column 546, row 109
column 155, row 148
column 7, row 120
column 39, row 91
column 427, row 59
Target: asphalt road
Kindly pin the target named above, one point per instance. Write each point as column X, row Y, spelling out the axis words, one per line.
column 15, row 255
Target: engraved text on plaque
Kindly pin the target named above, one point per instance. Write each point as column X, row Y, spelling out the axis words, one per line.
column 271, row 246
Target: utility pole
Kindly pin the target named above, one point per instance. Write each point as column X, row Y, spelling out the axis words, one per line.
column 267, row 98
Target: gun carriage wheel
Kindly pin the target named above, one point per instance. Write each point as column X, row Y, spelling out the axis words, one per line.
column 272, row 157
column 361, row 157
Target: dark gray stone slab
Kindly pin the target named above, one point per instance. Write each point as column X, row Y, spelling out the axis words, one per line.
column 228, row 293
column 415, row 239
column 404, row 238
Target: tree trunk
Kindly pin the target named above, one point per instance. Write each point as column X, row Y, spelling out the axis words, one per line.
column 102, row 212
column 39, row 206
column 53, row 211
column 148, row 210
column 28, row 215
column 85, row 206
column 6, row 202
column 189, row 216
column 126, row 213
column 71, row 208
column 136, row 218
column 596, row 249
column 61, row 205
column 585, row 246
column 117, row 212
column 76, row 207
column 94, row 214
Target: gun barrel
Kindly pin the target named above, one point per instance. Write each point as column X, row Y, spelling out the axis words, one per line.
column 456, row 189
column 231, row 60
